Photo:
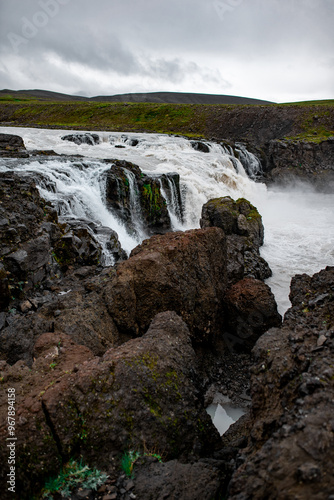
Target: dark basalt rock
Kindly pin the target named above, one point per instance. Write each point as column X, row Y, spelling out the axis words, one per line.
column 290, row 452
column 291, row 163
column 200, row 146
column 87, row 138
column 72, row 304
column 27, row 224
column 154, row 480
column 243, row 227
column 136, row 198
column 12, row 146
column 4, row 288
column 77, row 246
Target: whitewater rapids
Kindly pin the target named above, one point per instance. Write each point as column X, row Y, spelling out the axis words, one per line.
column 299, row 229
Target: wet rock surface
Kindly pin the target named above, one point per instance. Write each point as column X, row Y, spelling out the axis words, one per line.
column 87, row 138
column 243, row 227
column 12, row 146
column 251, row 310
column 137, row 198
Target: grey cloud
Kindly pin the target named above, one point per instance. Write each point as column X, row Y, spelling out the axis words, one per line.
column 166, row 42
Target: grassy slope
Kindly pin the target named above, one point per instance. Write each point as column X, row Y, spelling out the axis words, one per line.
column 312, row 121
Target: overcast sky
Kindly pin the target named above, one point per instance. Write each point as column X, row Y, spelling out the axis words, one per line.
column 278, row 50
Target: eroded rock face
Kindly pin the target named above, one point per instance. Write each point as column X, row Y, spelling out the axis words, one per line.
column 183, row 272
column 243, row 227
column 291, row 449
column 27, row 224
column 139, row 395
column 200, row 146
column 301, row 162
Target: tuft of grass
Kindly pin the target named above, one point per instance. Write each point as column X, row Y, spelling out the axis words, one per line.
column 129, row 458
column 72, row 476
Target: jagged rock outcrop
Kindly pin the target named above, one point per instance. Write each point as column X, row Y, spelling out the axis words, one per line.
column 87, row 138
column 290, row 163
column 244, row 231
column 139, row 395
column 77, row 246
column 136, row 198
column 12, row 146
column 291, row 447
column 27, row 223
column 71, row 304
column 34, row 247
column 183, row 272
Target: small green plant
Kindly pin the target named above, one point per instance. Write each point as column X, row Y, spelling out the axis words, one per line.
column 72, row 476
column 129, row 458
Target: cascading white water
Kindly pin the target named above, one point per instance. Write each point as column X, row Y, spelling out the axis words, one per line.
column 173, row 204
column 75, row 189
column 135, row 208
column 299, row 233
column 250, row 162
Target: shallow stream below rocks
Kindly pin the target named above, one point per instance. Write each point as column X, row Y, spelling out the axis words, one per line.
column 299, row 229
column 224, row 413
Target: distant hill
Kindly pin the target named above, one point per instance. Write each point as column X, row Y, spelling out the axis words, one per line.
column 150, row 97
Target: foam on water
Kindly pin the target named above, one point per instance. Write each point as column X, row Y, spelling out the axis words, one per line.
column 299, row 229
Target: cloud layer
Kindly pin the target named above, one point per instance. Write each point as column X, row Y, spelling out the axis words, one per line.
column 255, row 48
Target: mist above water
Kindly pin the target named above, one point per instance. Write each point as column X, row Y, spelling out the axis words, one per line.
column 299, row 229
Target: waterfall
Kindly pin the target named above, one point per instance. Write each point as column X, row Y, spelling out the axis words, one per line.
column 135, row 207
column 299, row 233
column 250, row 162
column 172, row 195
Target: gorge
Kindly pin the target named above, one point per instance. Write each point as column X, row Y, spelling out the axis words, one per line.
column 145, row 341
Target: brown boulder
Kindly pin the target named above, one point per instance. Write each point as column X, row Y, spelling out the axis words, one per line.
column 251, row 310
column 182, row 272
column 140, row 395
